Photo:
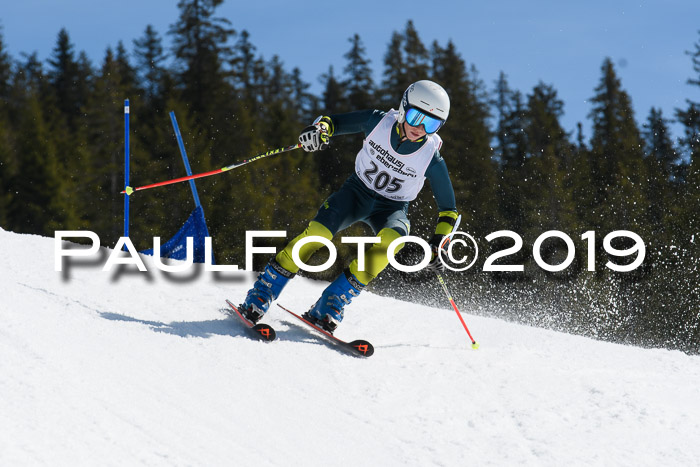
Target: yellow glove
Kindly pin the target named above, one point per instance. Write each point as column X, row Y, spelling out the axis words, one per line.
column 317, row 136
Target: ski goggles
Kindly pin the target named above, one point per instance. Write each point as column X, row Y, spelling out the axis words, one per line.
column 415, row 117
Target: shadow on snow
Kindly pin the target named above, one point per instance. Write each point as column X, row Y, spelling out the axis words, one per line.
column 214, row 327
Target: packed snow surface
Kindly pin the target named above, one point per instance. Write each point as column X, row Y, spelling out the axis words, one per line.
column 131, row 368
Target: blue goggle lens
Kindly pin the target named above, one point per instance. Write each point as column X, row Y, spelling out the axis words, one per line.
column 415, row 117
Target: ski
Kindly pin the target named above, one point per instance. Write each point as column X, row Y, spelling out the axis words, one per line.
column 360, row 348
column 261, row 330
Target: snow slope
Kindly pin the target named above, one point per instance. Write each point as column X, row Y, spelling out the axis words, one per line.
column 144, row 369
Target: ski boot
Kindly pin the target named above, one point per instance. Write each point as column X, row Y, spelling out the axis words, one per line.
column 327, row 313
column 267, row 288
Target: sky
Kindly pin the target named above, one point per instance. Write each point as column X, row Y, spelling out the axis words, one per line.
column 558, row 43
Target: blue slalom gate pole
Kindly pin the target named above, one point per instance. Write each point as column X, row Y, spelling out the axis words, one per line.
column 126, row 168
column 183, row 153
column 186, row 161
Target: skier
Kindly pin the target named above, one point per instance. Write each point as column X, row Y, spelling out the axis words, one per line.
column 400, row 150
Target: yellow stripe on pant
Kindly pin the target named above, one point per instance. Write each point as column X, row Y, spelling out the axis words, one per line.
column 375, row 258
column 284, row 257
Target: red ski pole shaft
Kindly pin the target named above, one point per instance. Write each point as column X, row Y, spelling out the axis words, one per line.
column 454, row 306
column 130, row 190
column 447, row 291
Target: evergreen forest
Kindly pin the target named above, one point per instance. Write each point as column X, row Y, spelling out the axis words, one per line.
column 513, row 166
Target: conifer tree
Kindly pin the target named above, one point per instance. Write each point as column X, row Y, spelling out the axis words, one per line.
column 355, row 91
column 200, row 48
column 466, row 137
column 510, row 136
column 690, row 116
column 154, row 130
column 302, row 100
column 547, row 196
column 406, row 61
column 35, row 112
column 358, row 76
column 661, row 159
column 85, row 77
column 70, row 81
column 281, row 189
column 395, row 80
column 689, row 235
column 243, row 66
column 543, row 129
column 102, row 177
column 618, row 175
column 334, row 93
column 72, row 146
column 64, row 74
column 510, row 151
column 8, row 168
column 150, row 70
column 690, row 196
column 695, row 57
column 333, row 101
column 5, row 70
column 127, row 73
column 687, row 222
column 7, row 160
column 279, row 111
column 416, row 55
column 28, row 77
column 40, row 203
column 657, row 138
column 155, row 152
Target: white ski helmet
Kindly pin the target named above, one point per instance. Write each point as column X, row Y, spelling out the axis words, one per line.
column 429, row 98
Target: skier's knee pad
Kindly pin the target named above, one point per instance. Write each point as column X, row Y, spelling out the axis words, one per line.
column 376, row 257
column 284, row 257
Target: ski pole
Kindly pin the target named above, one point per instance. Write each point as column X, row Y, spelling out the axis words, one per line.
column 475, row 345
column 129, row 190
